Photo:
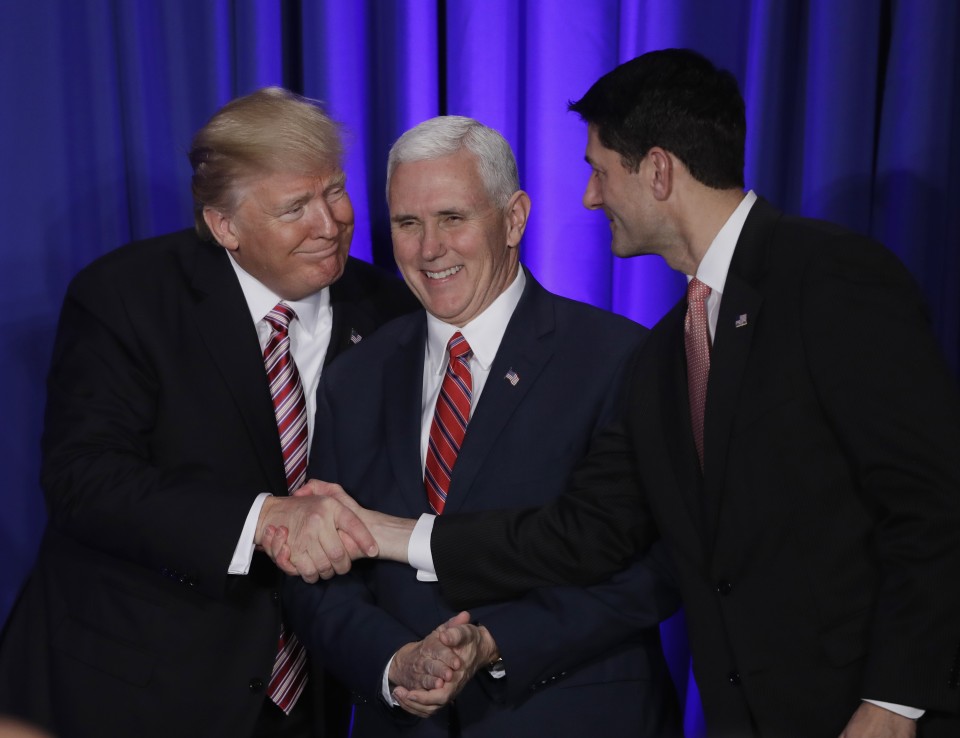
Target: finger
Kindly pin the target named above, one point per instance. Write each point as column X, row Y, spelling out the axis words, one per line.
column 421, row 711
column 349, row 523
column 283, row 560
column 457, row 636
column 272, row 541
column 352, row 547
column 461, row 618
column 320, row 539
column 425, row 697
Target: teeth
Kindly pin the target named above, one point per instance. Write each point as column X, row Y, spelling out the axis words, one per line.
column 445, row 273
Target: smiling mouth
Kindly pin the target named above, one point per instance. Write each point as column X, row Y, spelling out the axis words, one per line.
column 445, row 273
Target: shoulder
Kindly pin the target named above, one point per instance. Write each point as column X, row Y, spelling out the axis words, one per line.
column 146, row 265
column 590, row 326
column 371, row 352
column 368, row 283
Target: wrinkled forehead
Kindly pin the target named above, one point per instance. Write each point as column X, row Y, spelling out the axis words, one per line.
column 283, row 182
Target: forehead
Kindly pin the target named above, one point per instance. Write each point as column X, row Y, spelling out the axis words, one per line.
column 596, row 151
column 452, row 178
column 282, row 183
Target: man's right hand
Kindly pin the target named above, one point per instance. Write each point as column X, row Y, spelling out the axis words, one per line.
column 313, row 535
column 366, row 533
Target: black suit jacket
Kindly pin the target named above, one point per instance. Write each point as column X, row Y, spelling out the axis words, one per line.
column 818, row 554
column 159, row 433
column 578, row 659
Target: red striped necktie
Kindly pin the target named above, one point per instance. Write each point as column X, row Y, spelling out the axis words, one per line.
column 450, row 418
column 289, row 675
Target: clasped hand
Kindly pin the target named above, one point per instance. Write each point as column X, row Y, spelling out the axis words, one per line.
column 426, row 675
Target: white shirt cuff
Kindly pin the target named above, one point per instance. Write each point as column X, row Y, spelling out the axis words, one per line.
column 243, row 553
column 908, row 712
column 385, row 686
column 418, row 549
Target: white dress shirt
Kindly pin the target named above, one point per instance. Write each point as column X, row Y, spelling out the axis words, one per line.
column 309, row 340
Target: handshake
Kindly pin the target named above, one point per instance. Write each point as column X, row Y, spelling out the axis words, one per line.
column 319, row 530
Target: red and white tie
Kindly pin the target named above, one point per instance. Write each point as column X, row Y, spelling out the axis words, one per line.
column 289, row 675
column 696, row 339
column 450, row 418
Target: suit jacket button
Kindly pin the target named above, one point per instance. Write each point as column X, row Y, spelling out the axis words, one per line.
column 724, row 587
column 275, row 596
column 256, row 684
column 734, row 678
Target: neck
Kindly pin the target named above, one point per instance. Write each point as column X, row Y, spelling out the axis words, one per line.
column 700, row 217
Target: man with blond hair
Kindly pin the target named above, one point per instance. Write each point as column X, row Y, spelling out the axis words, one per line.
column 180, row 406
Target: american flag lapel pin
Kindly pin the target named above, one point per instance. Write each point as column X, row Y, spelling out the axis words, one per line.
column 512, row 377
column 741, row 321
column 354, row 336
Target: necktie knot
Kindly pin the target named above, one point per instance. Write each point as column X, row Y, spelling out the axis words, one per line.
column 697, row 291
column 279, row 317
column 458, row 347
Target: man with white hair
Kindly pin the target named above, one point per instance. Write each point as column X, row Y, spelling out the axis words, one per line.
column 485, row 398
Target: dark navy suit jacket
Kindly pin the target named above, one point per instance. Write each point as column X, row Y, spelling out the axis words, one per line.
column 577, row 659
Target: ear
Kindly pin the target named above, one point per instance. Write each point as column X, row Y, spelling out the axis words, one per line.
column 517, row 212
column 222, row 227
column 661, row 171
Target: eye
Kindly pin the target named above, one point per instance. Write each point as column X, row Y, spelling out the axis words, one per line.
column 335, row 193
column 293, row 212
column 451, row 220
column 407, row 224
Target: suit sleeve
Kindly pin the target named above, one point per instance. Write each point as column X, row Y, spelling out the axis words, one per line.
column 583, row 537
column 895, row 410
column 553, row 630
column 103, row 484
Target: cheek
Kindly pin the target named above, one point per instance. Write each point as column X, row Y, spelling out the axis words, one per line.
column 343, row 211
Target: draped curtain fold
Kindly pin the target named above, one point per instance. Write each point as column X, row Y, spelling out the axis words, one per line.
column 851, row 110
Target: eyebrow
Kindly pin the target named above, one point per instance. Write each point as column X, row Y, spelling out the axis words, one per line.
column 337, row 181
column 292, row 202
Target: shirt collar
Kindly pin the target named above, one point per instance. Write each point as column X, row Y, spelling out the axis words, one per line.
column 716, row 262
column 484, row 333
column 261, row 300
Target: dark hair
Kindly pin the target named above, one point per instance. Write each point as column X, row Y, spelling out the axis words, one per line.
column 678, row 100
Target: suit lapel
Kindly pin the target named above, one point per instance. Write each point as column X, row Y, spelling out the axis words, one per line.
column 228, row 332
column 402, row 398
column 739, row 314
column 526, row 348
column 353, row 318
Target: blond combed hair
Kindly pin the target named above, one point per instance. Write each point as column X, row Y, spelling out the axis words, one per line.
column 267, row 131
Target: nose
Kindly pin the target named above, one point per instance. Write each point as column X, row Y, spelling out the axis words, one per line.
column 591, row 195
column 323, row 223
column 431, row 242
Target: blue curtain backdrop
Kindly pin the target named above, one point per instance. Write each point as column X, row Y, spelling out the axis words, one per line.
column 851, row 107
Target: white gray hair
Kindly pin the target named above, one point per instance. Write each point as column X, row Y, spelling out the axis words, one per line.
column 448, row 134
